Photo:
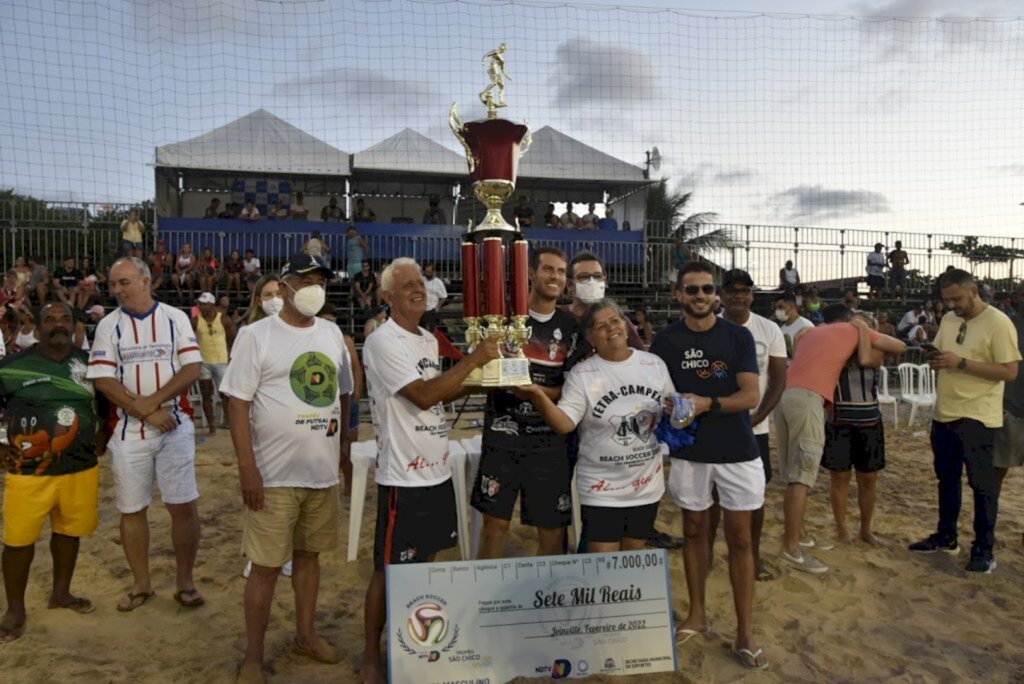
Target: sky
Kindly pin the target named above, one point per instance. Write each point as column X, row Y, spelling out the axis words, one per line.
column 889, row 115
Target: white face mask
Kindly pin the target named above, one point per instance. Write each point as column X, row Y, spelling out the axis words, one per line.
column 309, row 300
column 781, row 315
column 272, row 306
column 591, row 291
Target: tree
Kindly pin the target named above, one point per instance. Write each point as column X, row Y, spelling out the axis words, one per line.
column 668, row 208
column 982, row 254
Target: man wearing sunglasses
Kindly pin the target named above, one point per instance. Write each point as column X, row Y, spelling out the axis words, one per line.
column 975, row 354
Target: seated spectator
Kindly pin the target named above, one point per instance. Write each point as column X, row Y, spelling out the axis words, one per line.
column 95, row 313
column 626, row 226
column 885, row 327
column 609, row 221
column 332, row 213
column 918, row 335
column 157, row 265
column 23, row 272
column 131, row 235
column 851, row 300
column 812, row 306
column 523, row 212
column 212, row 211
column 107, row 260
column 909, row 320
column 589, row 220
column 87, row 294
column 207, row 270
column 363, row 213
column 184, row 271
column 570, row 219
column 12, row 295
column 278, row 212
column 37, row 283
column 25, row 332
column 789, row 277
column 434, row 215
column 551, row 219
column 929, row 312
column 643, row 326
column 364, row 286
column 299, row 210
column 250, row 213
column 315, row 246
column 251, row 269
column 229, row 211
column 65, row 279
column 378, row 316
column 233, row 270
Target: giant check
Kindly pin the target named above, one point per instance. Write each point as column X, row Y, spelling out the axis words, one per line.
column 486, row 622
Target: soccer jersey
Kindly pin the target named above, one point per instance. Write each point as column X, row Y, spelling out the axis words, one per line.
column 143, row 352
column 616, row 406
column 51, row 412
column 551, row 341
column 412, row 443
column 295, row 378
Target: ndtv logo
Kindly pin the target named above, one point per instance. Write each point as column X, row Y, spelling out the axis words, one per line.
column 561, row 669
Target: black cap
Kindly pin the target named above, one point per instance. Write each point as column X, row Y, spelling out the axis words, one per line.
column 737, row 275
column 302, row 263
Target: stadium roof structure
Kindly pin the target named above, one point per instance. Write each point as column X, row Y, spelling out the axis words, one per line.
column 557, row 157
column 258, row 142
column 410, row 152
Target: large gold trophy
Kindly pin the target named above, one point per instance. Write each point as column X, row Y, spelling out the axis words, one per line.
column 493, row 147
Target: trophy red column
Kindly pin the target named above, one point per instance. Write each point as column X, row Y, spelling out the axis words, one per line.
column 470, row 281
column 519, row 279
column 494, row 278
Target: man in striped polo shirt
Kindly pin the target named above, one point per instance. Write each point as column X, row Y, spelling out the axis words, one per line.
column 143, row 358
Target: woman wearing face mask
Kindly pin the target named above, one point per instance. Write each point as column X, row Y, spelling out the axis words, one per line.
column 586, row 272
column 266, row 299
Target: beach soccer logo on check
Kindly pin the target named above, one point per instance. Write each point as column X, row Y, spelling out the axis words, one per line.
column 428, row 631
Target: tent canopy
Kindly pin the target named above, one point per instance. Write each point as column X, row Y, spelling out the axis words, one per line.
column 410, row 152
column 558, row 157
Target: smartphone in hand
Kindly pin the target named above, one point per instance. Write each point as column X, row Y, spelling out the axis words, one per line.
column 930, row 350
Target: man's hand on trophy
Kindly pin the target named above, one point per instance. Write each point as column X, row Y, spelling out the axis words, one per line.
column 488, row 350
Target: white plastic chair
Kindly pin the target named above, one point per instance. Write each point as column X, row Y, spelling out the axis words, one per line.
column 457, row 458
column 473, row 445
column 364, row 456
column 885, row 398
column 910, row 388
column 927, row 384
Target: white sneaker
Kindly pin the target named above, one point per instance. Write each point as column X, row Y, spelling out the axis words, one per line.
column 801, row 561
column 810, row 542
column 286, row 569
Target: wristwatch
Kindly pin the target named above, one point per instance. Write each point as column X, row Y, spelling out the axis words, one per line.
column 962, row 365
column 716, row 405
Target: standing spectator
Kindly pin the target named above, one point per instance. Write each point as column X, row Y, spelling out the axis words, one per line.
column 37, row 283
column 250, row 212
column 589, row 220
column 434, row 215
column 725, row 454
column 315, row 246
column 332, row 213
column 570, row 219
column 437, row 295
column 251, row 268
column 356, row 250
column 233, row 270
column 364, row 285
column 407, row 390
column 45, row 388
column 278, row 212
column 790, row 320
column 184, row 271
column 523, row 213
column 65, row 279
column 643, row 326
column 876, row 271
column 1009, row 448
column 207, row 271
column 215, row 334
column 131, row 235
column 363, row 213
column 212, row 211
column 143, row 359
column 789, row 278
column 299, row 210
column 977, row 354
column 898, row 260
column 266, row 300
column 551, row 218
column 282, row 367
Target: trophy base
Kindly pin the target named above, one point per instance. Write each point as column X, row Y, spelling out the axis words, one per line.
column 508, row 372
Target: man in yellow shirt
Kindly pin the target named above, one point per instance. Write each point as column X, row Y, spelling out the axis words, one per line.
column 215, row 334
column 975, row 354
column 131, row 235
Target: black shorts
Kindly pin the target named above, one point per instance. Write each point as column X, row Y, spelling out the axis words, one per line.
column 413, row 523
column 876, row 282
column 766, row 461
column 607, row 524
column 537, row 469
column 862, row 448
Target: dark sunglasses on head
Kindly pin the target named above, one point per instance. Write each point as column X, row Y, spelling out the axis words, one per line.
column 962, row 333
column 694, row 289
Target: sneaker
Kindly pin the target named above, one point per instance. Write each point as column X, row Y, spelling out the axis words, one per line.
column 810, row 542
column 801, row 561
column 936, row 542
column 981, row 564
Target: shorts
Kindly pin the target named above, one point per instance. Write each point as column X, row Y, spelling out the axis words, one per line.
column 213, row 371
column 876, row 282
column 740, row 485
column 766, row 461
column 127, row 245
column 70, row 501
column 800, row 429
column 860, row 447
column 897, row 277
column 1009, row 451
column 292, row 519
column 538, row 470
column 169, row 457
column 413, row 523
column 353, row 413
column 608, row 524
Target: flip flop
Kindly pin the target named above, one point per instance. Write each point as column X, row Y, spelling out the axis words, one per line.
column 749, row 658
column 683, row 635
column 179, row 596
column 77, row 604
column 135, row 601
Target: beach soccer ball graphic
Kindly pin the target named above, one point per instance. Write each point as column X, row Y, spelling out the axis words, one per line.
column 314, row 379
column 428, row 625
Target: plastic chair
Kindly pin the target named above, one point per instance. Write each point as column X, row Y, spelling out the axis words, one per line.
column 364, row 455
column 475, row 522
column 885, row 398
column 910, row 389
column 927, row 383
column 457, row 457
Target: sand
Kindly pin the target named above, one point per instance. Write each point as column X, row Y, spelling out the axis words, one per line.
column 880, row 614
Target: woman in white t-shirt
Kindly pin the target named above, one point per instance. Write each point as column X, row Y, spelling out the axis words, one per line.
column 615, row 398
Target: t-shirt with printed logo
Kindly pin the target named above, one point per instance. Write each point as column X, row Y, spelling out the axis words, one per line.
column 706, row 363
column 294, row 378
column 616, row 405
column 412, row 443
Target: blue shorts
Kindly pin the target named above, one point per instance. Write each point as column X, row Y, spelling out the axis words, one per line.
column 353, row 413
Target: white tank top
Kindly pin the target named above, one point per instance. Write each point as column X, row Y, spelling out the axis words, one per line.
column 25, row 340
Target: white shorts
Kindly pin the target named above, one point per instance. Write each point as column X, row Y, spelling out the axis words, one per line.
column 740, row 485
column 170, row 457
column 213, row 371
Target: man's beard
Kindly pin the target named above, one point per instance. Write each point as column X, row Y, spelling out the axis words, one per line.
column 694, row 314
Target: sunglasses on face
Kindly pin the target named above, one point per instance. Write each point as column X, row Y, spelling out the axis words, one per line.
column 738, row 291
column 692, row 290
column 961, row 333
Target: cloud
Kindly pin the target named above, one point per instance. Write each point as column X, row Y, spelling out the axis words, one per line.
column 587, row 72
column 814, row 202
column 706, row 173
column 933, row 8
column 1008, row 170
column 348, row 84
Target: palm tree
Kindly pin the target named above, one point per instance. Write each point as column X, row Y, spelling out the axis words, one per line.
column 668, row 209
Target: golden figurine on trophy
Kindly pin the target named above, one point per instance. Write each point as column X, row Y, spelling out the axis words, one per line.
column 495, row 247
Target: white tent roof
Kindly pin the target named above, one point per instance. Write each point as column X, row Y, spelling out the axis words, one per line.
column 410, row 152
column 257, row 142
column 554, row 155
